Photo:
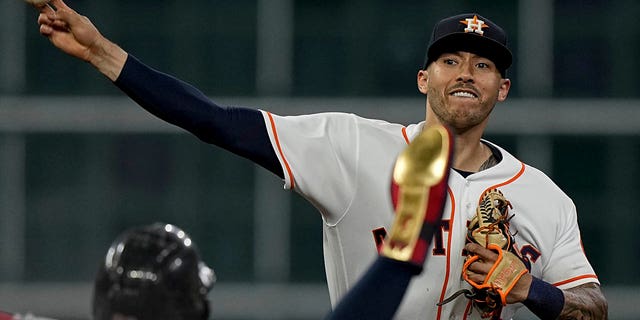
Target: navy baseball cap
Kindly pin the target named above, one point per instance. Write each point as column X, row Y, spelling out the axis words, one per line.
column 470, row 32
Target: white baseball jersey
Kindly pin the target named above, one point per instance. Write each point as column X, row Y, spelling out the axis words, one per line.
column 342, row 164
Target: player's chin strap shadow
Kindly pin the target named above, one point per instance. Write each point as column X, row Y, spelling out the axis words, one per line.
column 467, row 293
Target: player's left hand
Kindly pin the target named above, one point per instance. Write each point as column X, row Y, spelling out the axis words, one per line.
column 479, row 269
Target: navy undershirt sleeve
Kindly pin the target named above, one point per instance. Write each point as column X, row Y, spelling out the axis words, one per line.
column 544, row 300
column 378, row 294
column 237, row 129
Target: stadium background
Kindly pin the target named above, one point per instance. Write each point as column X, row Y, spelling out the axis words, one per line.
column 79, row 162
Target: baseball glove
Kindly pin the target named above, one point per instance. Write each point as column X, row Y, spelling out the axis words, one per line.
column 490, row 228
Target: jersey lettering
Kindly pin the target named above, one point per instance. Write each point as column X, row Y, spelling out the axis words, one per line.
column 378, row 237
column 439, row 249
column 528, row 252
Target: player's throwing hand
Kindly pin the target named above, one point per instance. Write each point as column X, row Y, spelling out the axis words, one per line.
column 72, row 33
column 75, row 35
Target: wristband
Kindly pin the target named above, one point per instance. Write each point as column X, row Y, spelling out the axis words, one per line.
column 544, row 299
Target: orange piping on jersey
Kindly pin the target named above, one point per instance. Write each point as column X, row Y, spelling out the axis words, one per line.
column 446, row 275
column 467, row 310
column 404, row 134
column 575, row 279
column 512, row 179
column 284, row 160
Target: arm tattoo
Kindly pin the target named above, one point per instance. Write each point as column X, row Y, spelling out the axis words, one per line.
column 584, row 302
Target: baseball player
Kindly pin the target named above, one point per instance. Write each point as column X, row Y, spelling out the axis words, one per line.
column 149, row 273
column 152, row 272
column 341, row 162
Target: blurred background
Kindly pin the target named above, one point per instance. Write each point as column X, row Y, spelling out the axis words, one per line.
column 80, row 162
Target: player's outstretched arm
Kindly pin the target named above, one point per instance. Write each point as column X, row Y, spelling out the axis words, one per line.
column 75, row 35
column 239, row 130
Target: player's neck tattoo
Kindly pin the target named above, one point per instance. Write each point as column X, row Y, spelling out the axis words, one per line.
column 490, row 162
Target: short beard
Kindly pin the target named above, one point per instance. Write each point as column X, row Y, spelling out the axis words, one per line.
column 459, row 120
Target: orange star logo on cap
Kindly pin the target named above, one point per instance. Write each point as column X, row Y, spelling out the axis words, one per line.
column 474, row 25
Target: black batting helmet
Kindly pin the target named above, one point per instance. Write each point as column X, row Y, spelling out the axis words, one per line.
column 153, row 272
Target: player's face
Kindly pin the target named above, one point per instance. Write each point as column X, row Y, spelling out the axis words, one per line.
column 462, row 88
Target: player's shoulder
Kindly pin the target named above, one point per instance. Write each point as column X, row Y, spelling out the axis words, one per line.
column 347, row 122
column 332, row 117
column 379, row 124
column 544, row 181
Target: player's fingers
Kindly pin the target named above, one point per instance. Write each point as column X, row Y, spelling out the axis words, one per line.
column 480, row 251
column 480, row 267
column 472, row 247
column 49, row 23
column 59, row 4
column 475, row 277
column 73, row 19
column 62, row 19
column 61, row 14
column 45, row 29
column 43, row 18
column 45, row 23
column 42, row 7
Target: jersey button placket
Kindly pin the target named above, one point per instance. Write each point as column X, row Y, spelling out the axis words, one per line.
column 468, row 205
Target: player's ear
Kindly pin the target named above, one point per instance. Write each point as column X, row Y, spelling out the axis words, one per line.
column 422, row 81
column 503, row 90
